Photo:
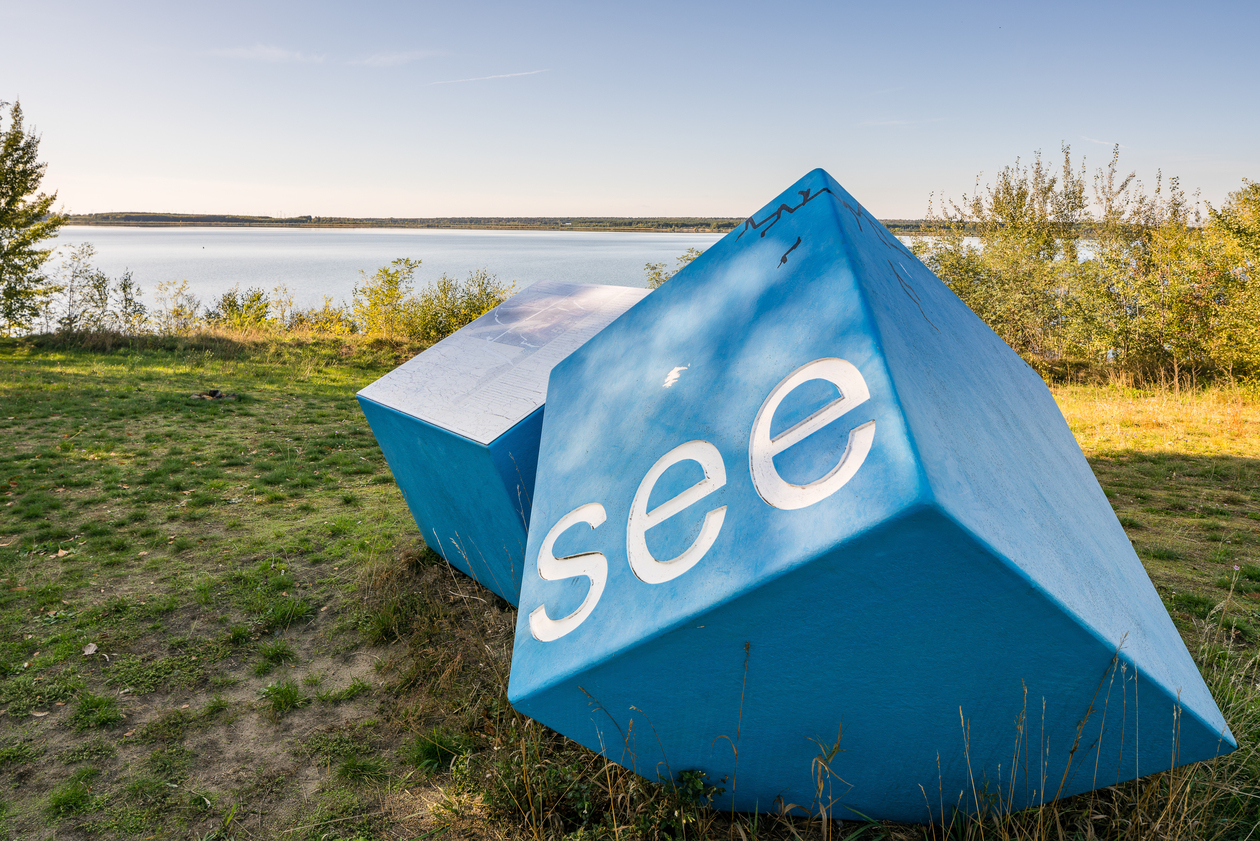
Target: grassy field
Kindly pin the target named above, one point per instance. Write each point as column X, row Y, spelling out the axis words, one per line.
column 217, row 619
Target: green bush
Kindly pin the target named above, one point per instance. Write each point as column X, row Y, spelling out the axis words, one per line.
column 328, row 319
column 386, row 307
column 237, row 310
column 381, row 304
column 1131, row 281
column 449, row 304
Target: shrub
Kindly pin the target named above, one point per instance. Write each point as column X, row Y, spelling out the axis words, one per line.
column 237, row 310
column 449, row 304
column 385, row 307
column 1131, row 281
column 657, row 273
column 381, row 304
column 81, row 298
column 328, row 319
column 177, row 309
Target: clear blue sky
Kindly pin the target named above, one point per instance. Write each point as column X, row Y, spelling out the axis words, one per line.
column 628, row 109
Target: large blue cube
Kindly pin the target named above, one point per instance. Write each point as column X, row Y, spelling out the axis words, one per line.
column 824, row 537
column 459, row 423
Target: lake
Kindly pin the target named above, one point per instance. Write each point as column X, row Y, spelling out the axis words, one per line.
column 313, row 262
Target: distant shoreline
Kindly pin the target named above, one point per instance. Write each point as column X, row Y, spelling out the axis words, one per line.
column 680, row 225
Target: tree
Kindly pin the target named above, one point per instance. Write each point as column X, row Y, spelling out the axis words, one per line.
column 1026, row 225
column 383, row 304
column 1230, row 249
column 449, row 303
column 26, row 221
column 657, row 274
column 77, row 297
column 237, row 310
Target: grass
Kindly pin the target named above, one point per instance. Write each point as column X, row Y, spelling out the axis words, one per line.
column 183, row 541
column 284, row 697
column 1182, row 474
column 74, row 795
column 278, row 655
column 15, row 752
column 357, row 687
column 95, row 711
column 274, row 653
column 363, row 770
column 434, row 751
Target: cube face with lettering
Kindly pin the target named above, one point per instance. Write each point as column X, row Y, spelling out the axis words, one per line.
column 459, row 423
column 821, row 510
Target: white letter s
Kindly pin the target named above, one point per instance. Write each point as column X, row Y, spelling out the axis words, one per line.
column 550, row 568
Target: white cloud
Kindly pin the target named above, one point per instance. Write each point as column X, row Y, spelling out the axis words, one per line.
column 1103, row 142
column 869, row 123
column 484, row 78
column 394, row 59
column 268, row 53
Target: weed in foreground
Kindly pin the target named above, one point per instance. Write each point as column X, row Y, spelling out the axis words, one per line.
column 274, row 653
column 94, row 749
column 21, row 694
column 143, row 674
column 363, row 770
column 279, row 615
column 74, row 795
column 216, row 705
column 337, row 744
column 1214, row 800
column 95, row 711
column 283, row 697
column 238, row 635
column 357, row 687
column 168, row 728
column 434, row 751
column 169, row 764
column 18, row 752
column 341, row 813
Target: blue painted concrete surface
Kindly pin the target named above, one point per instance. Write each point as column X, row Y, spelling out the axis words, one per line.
column 469, row 502
column 822, row 505
column 459, row 424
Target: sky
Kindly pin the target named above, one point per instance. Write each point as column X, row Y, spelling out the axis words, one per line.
column 419, row 109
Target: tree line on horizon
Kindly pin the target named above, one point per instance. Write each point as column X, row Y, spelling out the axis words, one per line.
column 1069, row 269
column 689, row 224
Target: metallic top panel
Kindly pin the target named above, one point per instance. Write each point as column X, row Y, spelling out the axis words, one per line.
column 487, row 377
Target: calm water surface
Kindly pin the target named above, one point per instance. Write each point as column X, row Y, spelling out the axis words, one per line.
column 313, row 262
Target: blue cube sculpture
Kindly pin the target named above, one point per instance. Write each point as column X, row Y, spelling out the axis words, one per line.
column 459, row 423
column 825, row 538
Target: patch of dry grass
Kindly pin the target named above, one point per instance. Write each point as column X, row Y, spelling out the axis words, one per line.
column 1211, row 421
